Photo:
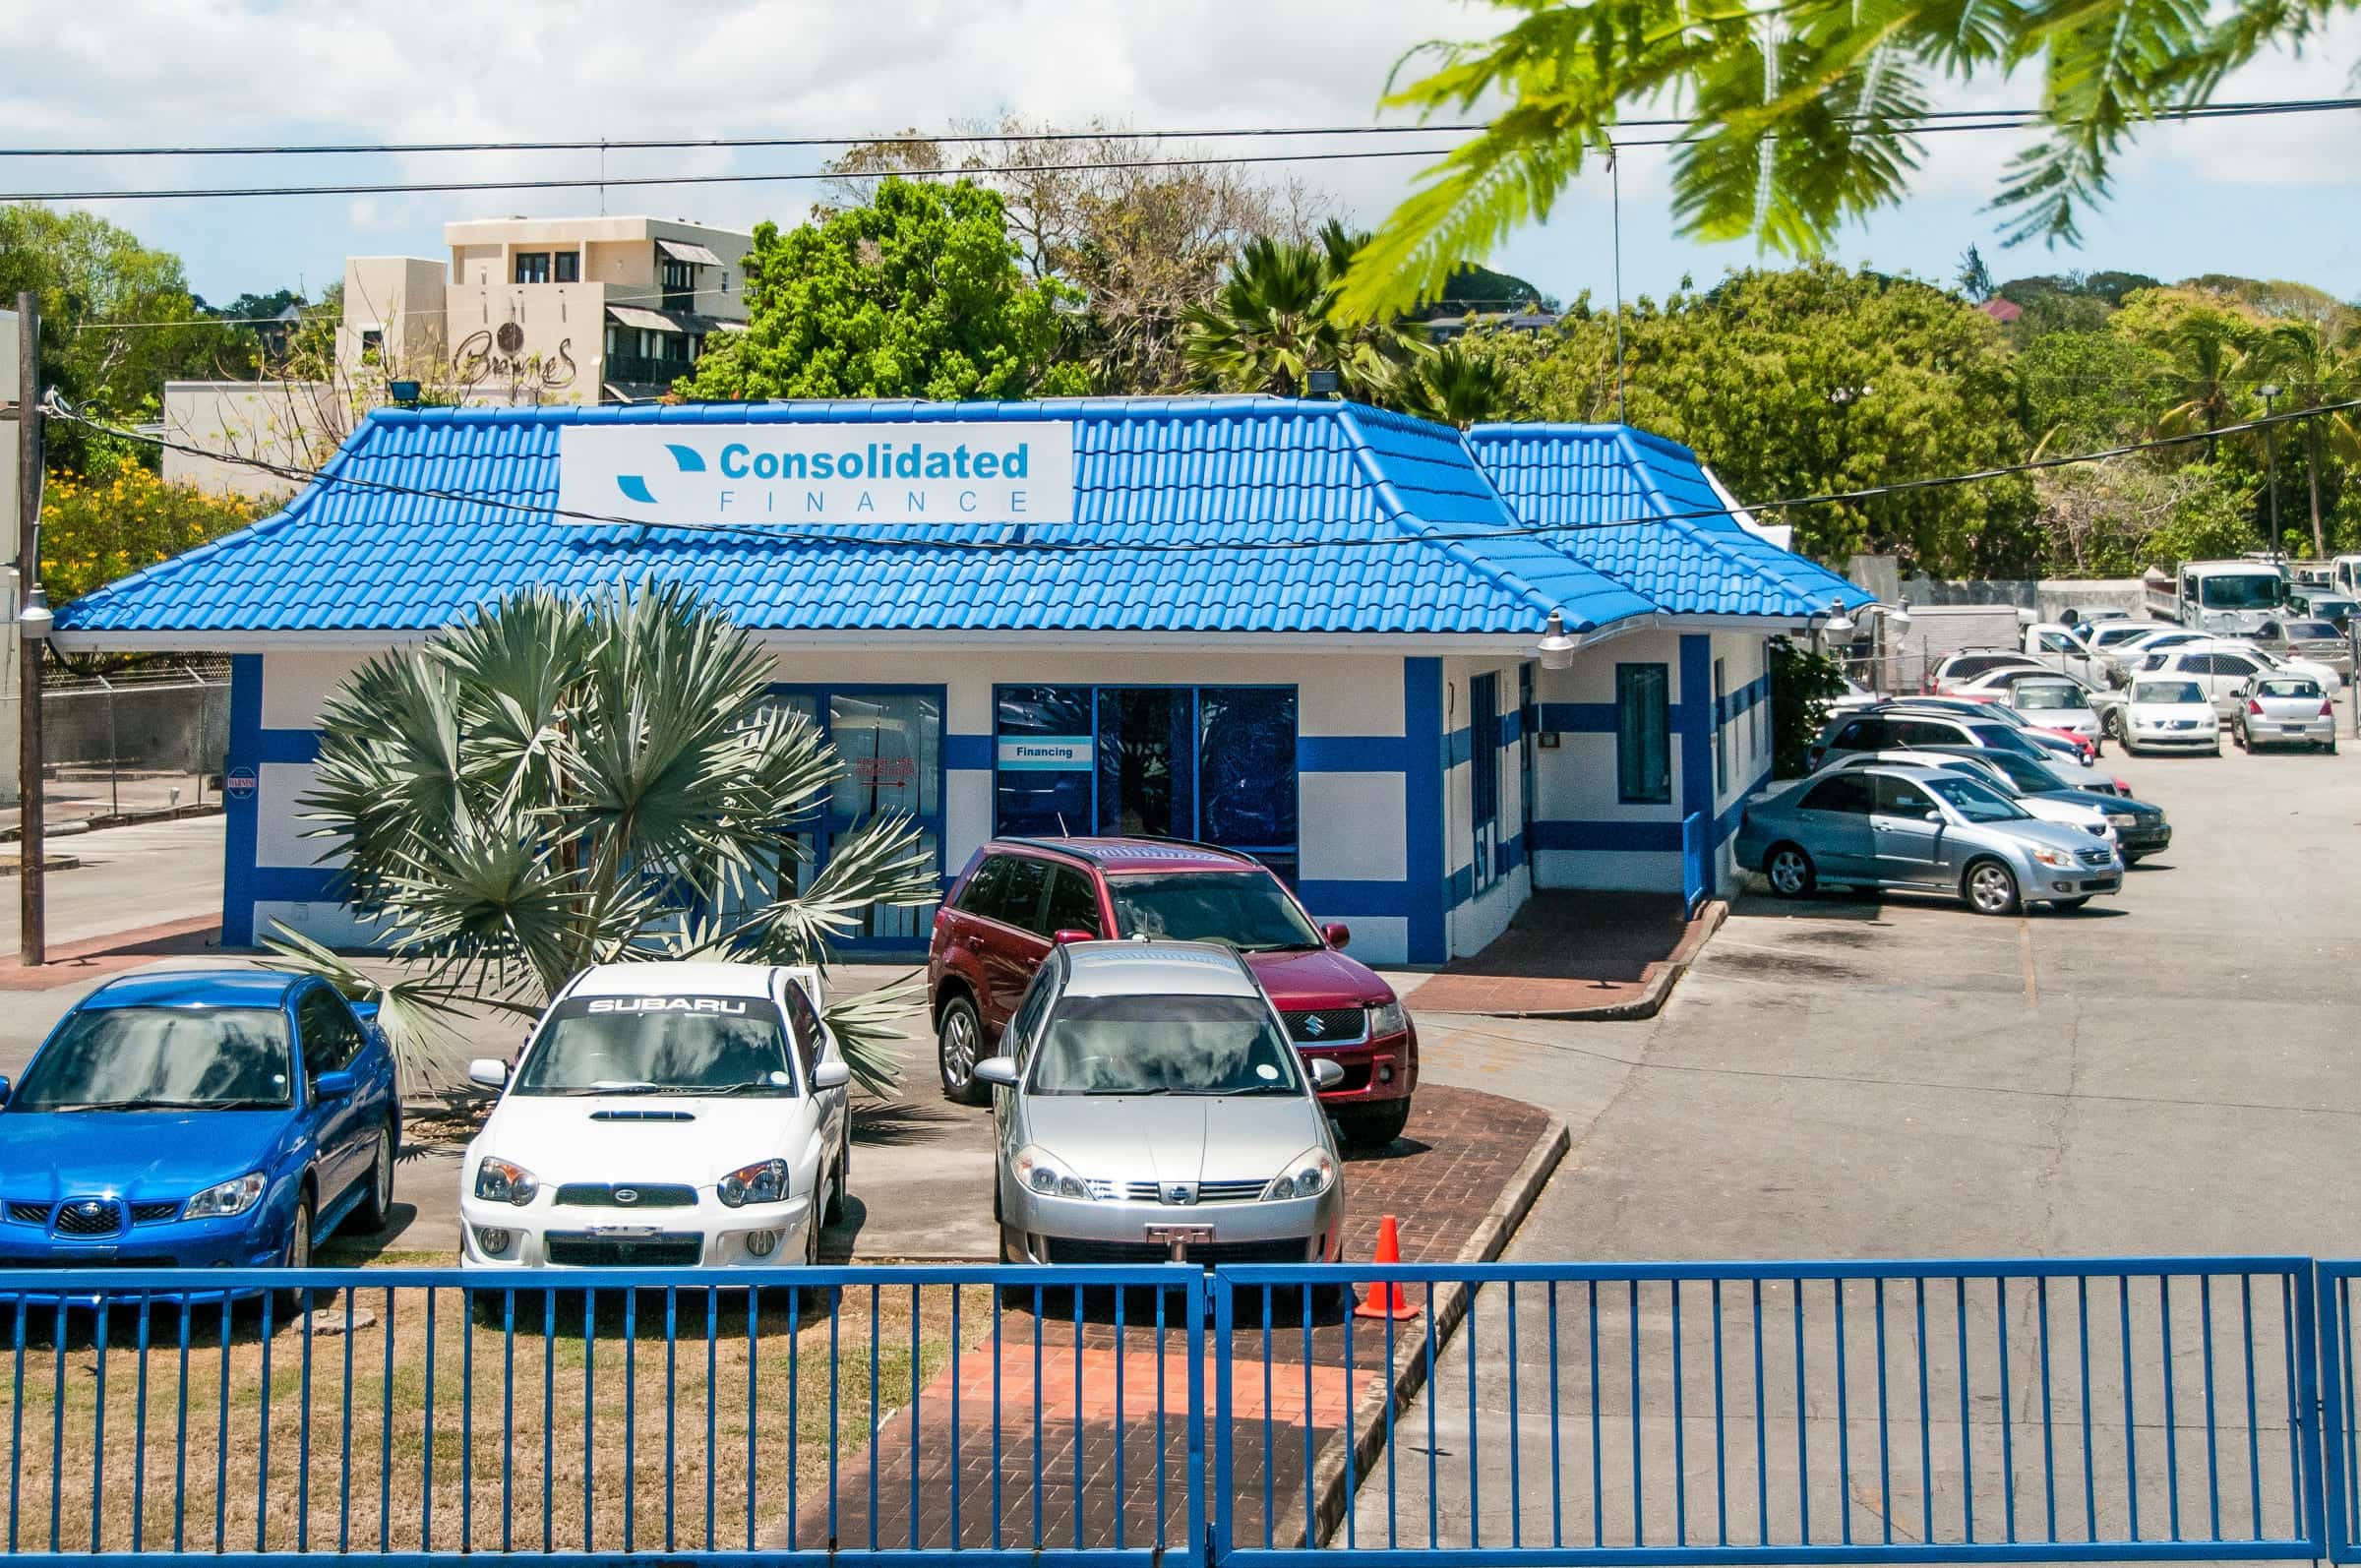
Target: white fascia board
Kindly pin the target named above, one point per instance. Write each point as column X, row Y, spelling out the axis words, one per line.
column 326, row 641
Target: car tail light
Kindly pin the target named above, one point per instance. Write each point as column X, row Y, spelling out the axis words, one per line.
column 2327, row 709
column 2121, row 788
column 2253, row 707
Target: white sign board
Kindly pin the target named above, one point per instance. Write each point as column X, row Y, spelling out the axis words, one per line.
column 793, row 475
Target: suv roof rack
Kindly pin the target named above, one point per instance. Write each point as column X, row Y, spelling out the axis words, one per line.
column 1081, row 851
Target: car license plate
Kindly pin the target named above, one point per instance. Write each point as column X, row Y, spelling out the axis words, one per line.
column 2293, row 729
column 623, row 1232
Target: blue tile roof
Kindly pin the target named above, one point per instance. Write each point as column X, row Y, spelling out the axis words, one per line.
column 1374, row 508
column 1613, row 497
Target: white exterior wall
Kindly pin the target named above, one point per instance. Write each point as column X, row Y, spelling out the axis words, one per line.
column 1576, row 781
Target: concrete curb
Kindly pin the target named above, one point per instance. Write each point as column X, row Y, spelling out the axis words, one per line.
column 1365, row 1442
column 1648, row 1002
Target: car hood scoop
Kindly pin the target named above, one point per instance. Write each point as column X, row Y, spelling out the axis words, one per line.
column 644, row 1115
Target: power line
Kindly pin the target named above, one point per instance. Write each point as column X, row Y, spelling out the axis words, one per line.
column 56, row 407
column 1932, row 123
column 1001, row 138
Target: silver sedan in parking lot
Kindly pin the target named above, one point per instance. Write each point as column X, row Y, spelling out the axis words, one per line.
column 2283, row 710
column 1148, row 1106
column 1921, row 829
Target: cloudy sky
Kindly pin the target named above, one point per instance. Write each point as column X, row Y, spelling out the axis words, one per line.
column 2267, row 196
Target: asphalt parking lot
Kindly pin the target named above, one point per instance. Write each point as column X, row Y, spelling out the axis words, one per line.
column 2168, row 1070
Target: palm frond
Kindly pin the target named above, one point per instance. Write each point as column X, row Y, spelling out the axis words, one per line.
column 880, row 862
column 413, row 1009
column 865, row 1026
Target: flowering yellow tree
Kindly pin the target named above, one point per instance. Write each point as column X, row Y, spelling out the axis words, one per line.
column 95, row 530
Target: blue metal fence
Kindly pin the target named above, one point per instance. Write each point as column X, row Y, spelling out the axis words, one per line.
column 1711, row 1412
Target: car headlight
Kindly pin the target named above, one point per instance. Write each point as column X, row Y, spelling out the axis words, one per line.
column 2122, row 819
column 503, row 1182
column 2053, row 857
column 764, row 1181
column 230, row 1197
column 1388, row 1018
column 1039, row 1172
column 1307, row 1175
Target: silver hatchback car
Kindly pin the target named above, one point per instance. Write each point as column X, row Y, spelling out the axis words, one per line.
column 1149, row 1107
column 1921, row 829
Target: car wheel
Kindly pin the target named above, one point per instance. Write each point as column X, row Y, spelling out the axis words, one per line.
column 298, row 1255
column 1990, row 889
column 378, row 1206
column 1375, row 1126
column 1790, row 871
column 958, row 1045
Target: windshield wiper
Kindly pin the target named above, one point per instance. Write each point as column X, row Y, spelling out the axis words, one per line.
column 248, row 1104
column 600, row 1089
column 724, row 1088
column 1261, row 1088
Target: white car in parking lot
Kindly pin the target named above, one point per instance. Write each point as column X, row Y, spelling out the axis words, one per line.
column 2169, row 713
column 662, row 1115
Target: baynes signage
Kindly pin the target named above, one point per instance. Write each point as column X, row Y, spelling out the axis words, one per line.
column 980, row 473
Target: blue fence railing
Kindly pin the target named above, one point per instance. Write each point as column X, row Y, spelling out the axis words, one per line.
column 1709, row 1413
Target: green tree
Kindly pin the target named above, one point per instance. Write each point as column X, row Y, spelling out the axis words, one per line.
column 561, row 782
column 1816, row 380
column 2310, row 372
column 1469, row 381
column 1975, row 278
column 1803, row 683
column 2206, row 349
column 1800, row 117
column 95, row 530
column 2087, row 389
column 101, row 295
column 1274, row 320
column 917, row 294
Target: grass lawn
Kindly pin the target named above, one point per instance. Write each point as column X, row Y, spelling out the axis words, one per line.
column 559, row 1438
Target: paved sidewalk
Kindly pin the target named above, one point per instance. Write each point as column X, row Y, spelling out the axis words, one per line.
column 1575, row 955
column 1303, row 1364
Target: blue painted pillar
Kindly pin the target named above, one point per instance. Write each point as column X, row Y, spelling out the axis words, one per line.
column 1695, row 719
column 1426, row 890
column 241, row 799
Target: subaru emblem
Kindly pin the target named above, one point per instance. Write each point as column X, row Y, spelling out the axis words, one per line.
column 89, row 1211
column 627, row 1196
column 1313, row 1025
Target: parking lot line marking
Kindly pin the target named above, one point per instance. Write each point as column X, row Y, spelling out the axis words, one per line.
column 2025, row 950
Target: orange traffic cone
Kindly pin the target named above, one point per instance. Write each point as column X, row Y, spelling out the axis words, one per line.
column 1386, row 1297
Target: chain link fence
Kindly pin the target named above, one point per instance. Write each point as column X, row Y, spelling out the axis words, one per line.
column 136, row 742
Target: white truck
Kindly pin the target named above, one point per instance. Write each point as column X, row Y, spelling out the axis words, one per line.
column 2063, row 648
column 2227, row 597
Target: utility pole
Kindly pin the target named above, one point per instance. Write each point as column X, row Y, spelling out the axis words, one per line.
column 2271, row 445
column 32, row 629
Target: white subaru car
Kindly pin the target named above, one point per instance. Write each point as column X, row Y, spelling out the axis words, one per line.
column 662, row 1115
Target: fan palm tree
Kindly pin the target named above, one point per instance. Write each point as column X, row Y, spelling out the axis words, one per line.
column 1462, row 384
column 2310, row 374
column 561, row 782
column 1273, row 322
column 2207, row 349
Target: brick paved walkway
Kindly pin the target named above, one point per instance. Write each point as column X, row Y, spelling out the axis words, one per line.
column 1105, row 1469
column 1567, row 954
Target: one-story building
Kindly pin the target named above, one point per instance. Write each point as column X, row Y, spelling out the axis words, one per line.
column 1311, row 630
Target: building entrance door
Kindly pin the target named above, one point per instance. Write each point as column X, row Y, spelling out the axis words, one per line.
column 1147, row 761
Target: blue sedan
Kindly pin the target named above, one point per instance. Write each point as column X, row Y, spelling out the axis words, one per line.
column 215, row 1118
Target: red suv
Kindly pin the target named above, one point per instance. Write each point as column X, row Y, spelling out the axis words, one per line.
column 1019, row 896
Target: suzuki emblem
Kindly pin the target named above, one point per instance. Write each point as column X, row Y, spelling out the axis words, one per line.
column 627, row 1196
column 1314, row 1026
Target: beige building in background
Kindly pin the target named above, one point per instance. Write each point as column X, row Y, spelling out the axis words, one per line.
column 525, row 311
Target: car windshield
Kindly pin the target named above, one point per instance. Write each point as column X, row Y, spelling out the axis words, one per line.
column 2166, row 691
column 2312, row 629
column 2005, row 738
column 162, row 1059
column 2251, row 590
column 1164, row 1044
column 1978, row 803
column 2107, row 637
column 2050, row 695
column 2289, row 685
column 660, row 1045
column 1246, row 909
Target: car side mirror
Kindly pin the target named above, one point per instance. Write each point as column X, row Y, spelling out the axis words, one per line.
column 1326, row 1075
column 831, row 1075
column 334, row 1085
column 489, row 1071
column 997, row 1071
column 1066, row 935
column 4, row 1091
column 1336, row 934
column 1935, row 817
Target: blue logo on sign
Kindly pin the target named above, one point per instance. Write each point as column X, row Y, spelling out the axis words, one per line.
column 687, row 459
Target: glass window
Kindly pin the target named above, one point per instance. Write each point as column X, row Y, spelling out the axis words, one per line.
column 659, row 1044
column 1896, row 796
column 1847, row 794
column 985, row 889
column 1721, row 716
column 532, row 267
column 678, row 276
column 1246, row 909
column 1163, row 1046
column 1864, row 735
column 1021, row 896
column 163, row 1057
column 330, row 1038
column 803, row 1023
column 1910, row 734
column 2287, row 685
column 2254, row 592
column 2167, row 691
column 1073, row 902
column 1978, row 803
column 892, row 747
column 1247, row 767
column 2232, row 664
column 1027, row 1018
column 1643, row 734
column 1044, row 789
column 569, row 267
